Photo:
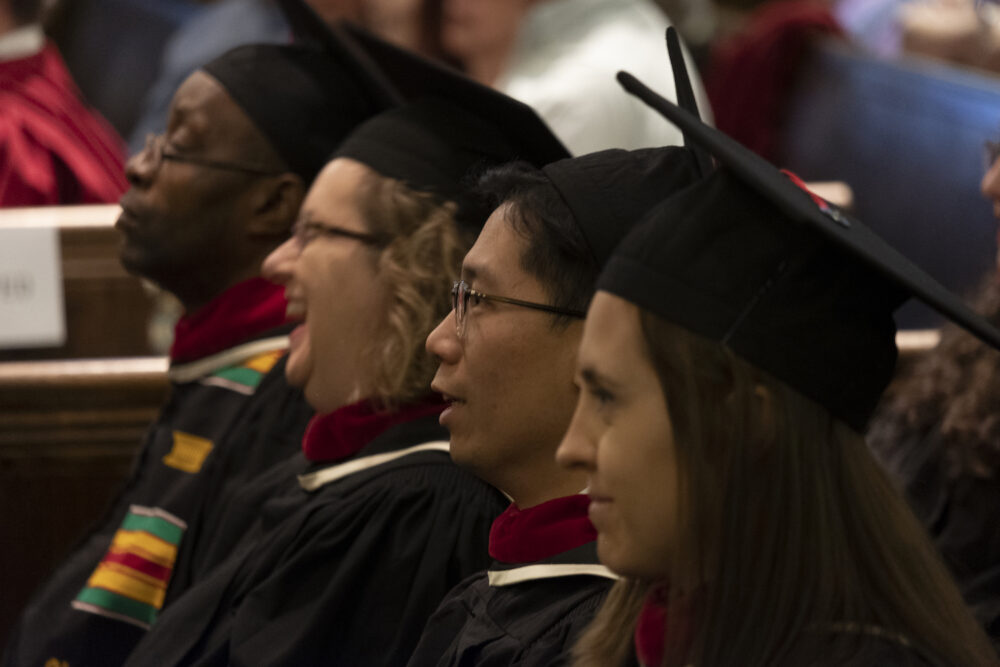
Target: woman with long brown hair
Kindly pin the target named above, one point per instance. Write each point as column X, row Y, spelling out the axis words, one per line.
column 738, row 343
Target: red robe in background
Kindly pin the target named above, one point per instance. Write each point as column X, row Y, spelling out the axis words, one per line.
column 751, row 73
column 54, row 149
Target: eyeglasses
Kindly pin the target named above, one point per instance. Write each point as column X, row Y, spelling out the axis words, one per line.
column 461, row 294
column 156, row 149
column 306, row 231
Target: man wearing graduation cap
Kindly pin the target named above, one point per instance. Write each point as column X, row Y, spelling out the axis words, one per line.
column 507, row 354
column 208, row 200
column 352, row 557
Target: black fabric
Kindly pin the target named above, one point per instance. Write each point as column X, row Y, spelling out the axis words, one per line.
column 532, row 623
column 609, row 191
column 824, row 219
column 268, row 433
column 413, row 77
column 345, row 575
column 432, row 146
column 300, row 98
column 719, row 260
column 959, row 513
column 685, row 97
column 49, row 628
column 793, row 285
column 447, row 128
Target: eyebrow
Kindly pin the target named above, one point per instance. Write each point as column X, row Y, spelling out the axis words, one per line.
column 475, row 272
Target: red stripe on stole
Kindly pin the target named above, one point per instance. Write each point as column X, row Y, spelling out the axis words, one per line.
column 139, row 564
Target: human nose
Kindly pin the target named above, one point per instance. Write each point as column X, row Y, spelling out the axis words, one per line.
column 278, row 266
column 578, row 450
column 140, row 167
column 443, row 341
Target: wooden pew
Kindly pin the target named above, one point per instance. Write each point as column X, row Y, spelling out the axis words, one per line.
column 68, row 433
column 107, row 310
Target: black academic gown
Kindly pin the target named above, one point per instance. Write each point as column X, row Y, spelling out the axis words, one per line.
column 92, row 610
column 344, row 568
column 960, row 514
column 526, row 614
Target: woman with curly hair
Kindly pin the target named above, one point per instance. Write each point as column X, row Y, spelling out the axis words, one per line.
column 738, row 343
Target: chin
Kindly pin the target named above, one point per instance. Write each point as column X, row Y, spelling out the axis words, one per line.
column 617, row 560
column 459, row 449
column 294, row 376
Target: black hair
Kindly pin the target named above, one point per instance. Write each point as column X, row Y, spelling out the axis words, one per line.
column 557, row 253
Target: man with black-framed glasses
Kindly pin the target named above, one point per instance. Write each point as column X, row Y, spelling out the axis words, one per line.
column 507, row 355
column 208, row 200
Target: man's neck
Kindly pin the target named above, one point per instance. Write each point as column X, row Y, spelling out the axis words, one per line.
column 527, row 490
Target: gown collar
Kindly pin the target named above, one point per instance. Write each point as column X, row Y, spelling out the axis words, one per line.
column 542, row 531
column 242, row 312
column 342, row 433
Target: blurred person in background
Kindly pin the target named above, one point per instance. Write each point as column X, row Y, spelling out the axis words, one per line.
column 208, row 200
column 939, row 436
column 561, row 56
column 54, row 148
column 751, row 71
column 215, row 29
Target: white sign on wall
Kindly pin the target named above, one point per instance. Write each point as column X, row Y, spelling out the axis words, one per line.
column 32, row 313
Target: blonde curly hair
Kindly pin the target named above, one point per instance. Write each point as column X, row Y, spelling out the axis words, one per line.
column 418, row 264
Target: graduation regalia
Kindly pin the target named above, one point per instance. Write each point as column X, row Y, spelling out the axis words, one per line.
column 346, row 565
column 542, row 589
column 373, row 524
column 54, row 149
column 102, row 599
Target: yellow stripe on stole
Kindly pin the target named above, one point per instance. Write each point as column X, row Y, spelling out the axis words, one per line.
column 135, row 574
column 124, row 584
column 263, row 363
column 148, row 546
column 188, row 452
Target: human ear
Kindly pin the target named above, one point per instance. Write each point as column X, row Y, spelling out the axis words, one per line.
column 276, row 202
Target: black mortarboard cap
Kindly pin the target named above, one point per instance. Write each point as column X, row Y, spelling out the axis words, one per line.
column 301, row 99
column 789, row 282
column 609, row 191
column 448, row 127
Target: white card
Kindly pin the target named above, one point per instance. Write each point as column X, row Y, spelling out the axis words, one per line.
column 32, row 313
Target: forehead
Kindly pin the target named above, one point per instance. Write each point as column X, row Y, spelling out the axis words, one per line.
column 612, row 334
column 335, row 192
column 202, row 106
column 495, row 258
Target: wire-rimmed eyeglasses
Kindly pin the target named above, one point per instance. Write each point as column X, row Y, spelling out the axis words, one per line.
column 306, row 231
column 461, row 294
column 156, row 151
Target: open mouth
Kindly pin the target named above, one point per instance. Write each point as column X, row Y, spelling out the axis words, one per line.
column 296, row 311
column 448, row 398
